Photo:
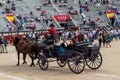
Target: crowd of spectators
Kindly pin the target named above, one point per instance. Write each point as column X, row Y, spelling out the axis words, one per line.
column 104, row 35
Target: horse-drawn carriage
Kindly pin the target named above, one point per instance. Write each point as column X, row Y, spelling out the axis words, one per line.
column 76, row 58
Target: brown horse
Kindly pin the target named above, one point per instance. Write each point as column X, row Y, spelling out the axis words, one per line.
column 27, row 47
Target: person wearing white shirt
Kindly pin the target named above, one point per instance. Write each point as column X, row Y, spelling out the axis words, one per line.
column 94, row 32
column 91, row 38
column 85, row 37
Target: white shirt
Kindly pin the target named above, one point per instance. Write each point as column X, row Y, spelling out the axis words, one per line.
column 94, row 32
column 91, row 35
column 32, row 35
column 85, row 36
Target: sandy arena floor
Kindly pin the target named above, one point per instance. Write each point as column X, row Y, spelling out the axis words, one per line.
column 110, row 69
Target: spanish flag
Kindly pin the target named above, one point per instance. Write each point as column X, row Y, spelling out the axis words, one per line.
column 10, row 17
column 110, row 14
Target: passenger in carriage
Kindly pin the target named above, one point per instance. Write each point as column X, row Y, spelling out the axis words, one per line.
column 75, row 38
column 58, row 47
column 60, row 51
column 70, row 45
column 64, row 44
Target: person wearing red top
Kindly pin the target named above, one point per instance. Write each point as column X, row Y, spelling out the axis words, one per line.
column 52, row 30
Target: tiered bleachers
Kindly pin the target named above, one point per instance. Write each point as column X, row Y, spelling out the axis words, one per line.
column 26, row 6
column 3, row 22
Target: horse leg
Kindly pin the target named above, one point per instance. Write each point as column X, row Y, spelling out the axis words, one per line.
column 37, row 62
column 24, row 58
column 18, row 58
column 32, row 63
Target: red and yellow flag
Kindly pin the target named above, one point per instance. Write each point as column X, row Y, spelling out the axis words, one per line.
column 10, row 17
column 110, row 14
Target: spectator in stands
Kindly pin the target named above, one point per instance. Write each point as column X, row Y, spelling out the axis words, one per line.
column 34, row 26
column 81, row 10
column 84, row 17
column 5, row 41
column 8, row 1
column 55, row 1
column 1, row 45
column 25, row 18
column 3, row 11
column 8, row 26
column 4, row 3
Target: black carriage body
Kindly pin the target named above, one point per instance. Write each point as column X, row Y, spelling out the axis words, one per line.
column 49, row 53
column 86, row 50
column 74, row 59
column 91, row 54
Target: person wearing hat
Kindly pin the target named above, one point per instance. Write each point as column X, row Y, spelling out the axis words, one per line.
column 52, row 31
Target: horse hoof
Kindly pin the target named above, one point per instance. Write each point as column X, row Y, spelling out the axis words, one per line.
column 17, row 65
column 36, row 63
column 24, row 62
column 30, row 65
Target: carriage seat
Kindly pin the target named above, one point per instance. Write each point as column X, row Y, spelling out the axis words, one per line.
column 93, row 49
column 49, row 52
column 81, row 44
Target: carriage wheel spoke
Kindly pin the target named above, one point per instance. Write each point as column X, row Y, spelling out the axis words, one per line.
column 73, row 67
column 72, row 64
column 97, row 63
column 80, row 67
column 90, row 62
column 94, row 64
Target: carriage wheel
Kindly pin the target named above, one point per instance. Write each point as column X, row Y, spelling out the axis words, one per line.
column 43, row 62
column 95, row 61
column 76, row 63
column 61, row 63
